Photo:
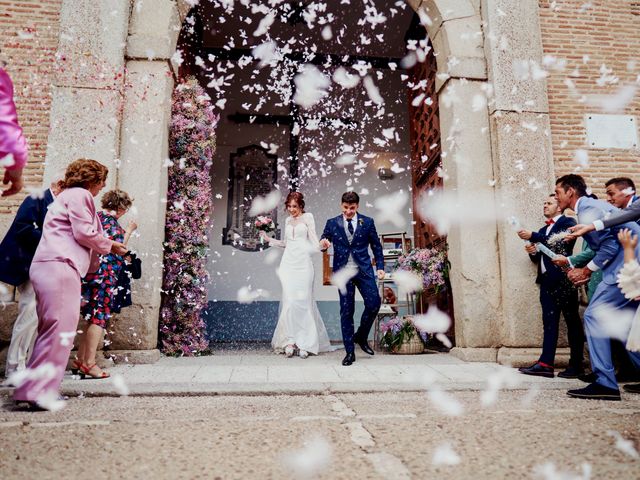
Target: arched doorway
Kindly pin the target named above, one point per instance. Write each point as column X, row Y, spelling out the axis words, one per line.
column 357, row 127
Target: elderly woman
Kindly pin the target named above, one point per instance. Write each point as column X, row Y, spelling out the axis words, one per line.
column 71, row 238
column 99, row 289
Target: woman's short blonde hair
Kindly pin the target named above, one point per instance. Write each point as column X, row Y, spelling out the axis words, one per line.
column 84, row 173
column 115, row 200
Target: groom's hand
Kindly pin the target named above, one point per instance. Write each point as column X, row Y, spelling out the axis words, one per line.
column 324, row 244
column 380, row 274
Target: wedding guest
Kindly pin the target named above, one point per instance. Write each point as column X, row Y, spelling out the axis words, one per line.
column 131, row 269
column 629, row 283
column 580, row 260
column 99, row 288
column 13, row 146
column 16, row 253
column 621, row 192
column 557, row 294
column 571, row 193
column 623, row 195
column 71, row 238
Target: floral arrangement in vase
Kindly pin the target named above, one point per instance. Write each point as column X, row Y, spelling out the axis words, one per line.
column 398, row 331
column 429, row 263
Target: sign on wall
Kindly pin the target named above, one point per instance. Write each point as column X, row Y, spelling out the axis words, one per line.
column 611, row 131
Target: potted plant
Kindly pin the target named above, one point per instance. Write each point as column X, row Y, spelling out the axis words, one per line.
column 400, row 335
column 429, row 263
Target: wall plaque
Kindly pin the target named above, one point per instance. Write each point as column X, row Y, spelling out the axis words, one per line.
column 611, row 131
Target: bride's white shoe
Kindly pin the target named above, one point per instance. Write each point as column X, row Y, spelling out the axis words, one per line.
column 289, row 351
column 303, row 354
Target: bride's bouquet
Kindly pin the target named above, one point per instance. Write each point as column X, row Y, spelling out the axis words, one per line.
column 264, row 224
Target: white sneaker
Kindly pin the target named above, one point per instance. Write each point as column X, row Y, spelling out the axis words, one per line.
column 288, row 351
column 303, row 354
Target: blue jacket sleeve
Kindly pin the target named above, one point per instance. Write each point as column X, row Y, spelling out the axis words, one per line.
column 29, row 220
column 607, row 247
column 327, row 231
column 376, row 246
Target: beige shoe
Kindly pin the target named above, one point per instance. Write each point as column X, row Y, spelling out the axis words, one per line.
column 289, row 351
column 303, row 354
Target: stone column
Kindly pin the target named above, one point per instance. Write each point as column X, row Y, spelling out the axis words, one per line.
column 153, row 33
column 87, row 97
column 522, row 161
column 455, row 30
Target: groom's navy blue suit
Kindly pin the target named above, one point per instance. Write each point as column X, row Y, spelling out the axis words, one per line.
column 365, row 236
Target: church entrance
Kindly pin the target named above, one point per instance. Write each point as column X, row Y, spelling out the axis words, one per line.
column 317, row 98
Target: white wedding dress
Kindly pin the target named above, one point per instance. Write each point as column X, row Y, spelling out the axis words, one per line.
column 299, row 322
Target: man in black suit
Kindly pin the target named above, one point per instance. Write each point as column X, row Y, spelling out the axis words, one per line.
column 16, row 253
column 557, row 294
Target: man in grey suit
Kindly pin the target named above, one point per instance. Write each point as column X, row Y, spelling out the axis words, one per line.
column 571, row 193
column 621, row 192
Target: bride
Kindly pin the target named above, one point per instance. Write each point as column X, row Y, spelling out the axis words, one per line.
column 299, row 325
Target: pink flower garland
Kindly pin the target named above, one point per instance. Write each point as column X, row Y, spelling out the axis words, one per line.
column 192, row 144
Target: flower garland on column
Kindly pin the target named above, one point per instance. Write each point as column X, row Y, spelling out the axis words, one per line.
column 192, row 144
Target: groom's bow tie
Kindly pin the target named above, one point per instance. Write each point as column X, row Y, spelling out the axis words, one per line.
column 550, row 221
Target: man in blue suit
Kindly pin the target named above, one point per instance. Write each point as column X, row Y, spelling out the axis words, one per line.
column 16, row 253
column 351, row 235
column 557, row 295
column 571, row 193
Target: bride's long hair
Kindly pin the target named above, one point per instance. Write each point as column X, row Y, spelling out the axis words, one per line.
column 297, row 197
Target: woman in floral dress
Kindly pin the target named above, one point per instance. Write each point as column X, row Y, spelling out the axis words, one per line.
column 99, row 288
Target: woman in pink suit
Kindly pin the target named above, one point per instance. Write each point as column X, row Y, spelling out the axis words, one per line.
column 13, row 146
column 71, row 239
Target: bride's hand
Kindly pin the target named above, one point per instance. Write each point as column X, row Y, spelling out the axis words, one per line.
column 264, row 236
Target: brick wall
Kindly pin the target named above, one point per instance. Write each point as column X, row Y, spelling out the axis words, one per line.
column 28, row 40
column 588, row 35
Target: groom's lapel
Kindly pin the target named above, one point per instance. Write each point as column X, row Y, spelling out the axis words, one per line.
column 359, row 229
column 340, row 227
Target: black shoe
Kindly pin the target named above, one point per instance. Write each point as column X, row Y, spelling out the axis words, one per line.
column 571, row 372
column 27, row 406
column 595, row 391
column 537, row 370
column 632, row 388
column 349, row 358
column 627, row 376
column 366, row 348
column 588, row 377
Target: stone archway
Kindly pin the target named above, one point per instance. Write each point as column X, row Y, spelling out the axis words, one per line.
column 132, row 50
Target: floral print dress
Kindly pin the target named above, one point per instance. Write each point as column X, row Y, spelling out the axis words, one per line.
column 99, row 288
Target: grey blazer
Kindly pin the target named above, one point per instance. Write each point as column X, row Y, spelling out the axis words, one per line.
column 629, row 214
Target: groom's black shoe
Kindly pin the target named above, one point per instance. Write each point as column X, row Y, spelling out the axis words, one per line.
column 349, row 358
column 366, row 348
column 364, row 345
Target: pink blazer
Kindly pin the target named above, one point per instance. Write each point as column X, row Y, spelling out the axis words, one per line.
column 11, row 138
column 72, row 231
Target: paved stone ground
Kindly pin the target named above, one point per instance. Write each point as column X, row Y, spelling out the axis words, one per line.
column 386, row 417
column 260, row 371
column 385, row 435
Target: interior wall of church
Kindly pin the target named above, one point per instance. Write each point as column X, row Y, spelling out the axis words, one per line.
column 321, row 182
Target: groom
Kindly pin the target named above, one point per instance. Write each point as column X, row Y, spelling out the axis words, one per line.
column 351, row 235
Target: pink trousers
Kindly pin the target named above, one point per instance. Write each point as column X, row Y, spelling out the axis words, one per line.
column 57, row 287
